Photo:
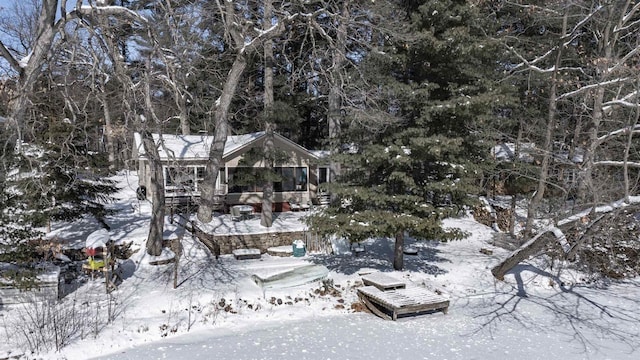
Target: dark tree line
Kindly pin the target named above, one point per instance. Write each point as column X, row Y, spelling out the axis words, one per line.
column 410, row 97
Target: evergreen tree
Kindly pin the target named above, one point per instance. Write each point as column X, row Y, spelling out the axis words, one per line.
column 57, row 176
column 413, row 155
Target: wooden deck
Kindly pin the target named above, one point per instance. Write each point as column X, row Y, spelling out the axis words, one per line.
column 382, row 281
column 406, row 301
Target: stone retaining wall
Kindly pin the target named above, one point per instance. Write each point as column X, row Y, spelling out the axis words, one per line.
column 263, row 241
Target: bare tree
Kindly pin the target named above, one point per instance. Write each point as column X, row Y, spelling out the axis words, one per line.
column 28, row 65
column 244, row 40
column 606, row 85
column 266, row 217
column 46, row 29
column 180, row 40
column 547, row 148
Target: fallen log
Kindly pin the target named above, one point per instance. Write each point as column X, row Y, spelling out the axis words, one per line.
column 528, row 249
column 522, row 253
column 533, row 245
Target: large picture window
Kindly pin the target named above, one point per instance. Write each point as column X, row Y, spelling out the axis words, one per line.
column 293, row 179
column 245, row 179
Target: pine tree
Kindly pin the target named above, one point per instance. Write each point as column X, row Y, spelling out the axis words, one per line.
column 57, row 176
column 413, row 156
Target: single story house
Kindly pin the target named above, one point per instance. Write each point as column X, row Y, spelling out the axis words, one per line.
column 184, row 159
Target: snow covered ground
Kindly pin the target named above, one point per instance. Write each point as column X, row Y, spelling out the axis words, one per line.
column 218, row 311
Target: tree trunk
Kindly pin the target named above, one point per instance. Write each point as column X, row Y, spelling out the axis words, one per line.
column 266, row 217
column 634, row 123
column 548, row 139
column 586, row 190
column 185, row 128
column 398, row 251
column 108, row 131
column 156, row 176
column 156, row 223
column 334, row 111
column 527, row 250
column 513, row 217
column 205, row 209
column 514, row 194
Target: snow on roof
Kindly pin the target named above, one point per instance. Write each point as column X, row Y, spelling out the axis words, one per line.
column 320, row 153
column 193, row 147
column 506, row 151
column 577, row 158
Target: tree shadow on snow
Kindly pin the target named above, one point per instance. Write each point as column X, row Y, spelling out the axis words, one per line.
column 579, row 310
column 378, row 255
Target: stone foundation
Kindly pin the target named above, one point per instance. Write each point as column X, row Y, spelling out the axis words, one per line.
column 263, row 241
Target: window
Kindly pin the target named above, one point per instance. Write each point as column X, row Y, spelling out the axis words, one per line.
column 183, row 179
column 293, row 179
column 323, row 175
column 178, row 179
column 288, row 182
column 301, row 179
column 199, row 172
column 245, row 179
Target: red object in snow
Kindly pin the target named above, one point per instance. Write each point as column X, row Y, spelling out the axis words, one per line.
column 91, row 251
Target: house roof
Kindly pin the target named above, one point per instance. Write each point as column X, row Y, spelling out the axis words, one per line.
column 320, row 154
column 506, row 152
column 196, row 147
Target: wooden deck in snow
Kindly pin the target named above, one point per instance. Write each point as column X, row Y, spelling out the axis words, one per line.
column 382, row 281
column 393, row 303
